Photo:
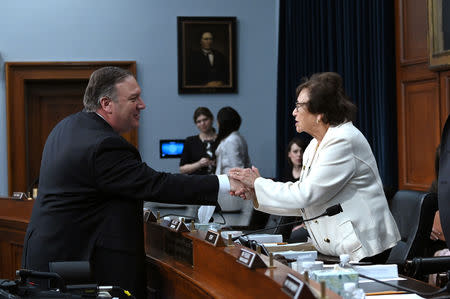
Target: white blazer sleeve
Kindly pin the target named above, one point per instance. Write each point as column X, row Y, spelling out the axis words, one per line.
column 330, row 170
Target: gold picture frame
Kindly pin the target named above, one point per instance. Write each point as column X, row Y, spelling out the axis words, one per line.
column 439, row 34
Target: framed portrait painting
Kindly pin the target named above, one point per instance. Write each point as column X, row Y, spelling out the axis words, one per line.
column 207, row 55
column 439, row 34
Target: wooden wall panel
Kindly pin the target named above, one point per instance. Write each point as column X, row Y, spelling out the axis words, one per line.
column 421, row 127
column 14, row 218
column 412, row 23
column 421, row 109
column 12, row 234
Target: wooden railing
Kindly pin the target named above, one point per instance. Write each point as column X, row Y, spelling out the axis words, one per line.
column 14, row 218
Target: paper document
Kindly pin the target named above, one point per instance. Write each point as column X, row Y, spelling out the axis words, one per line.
column 396, row 296
column 388, row 271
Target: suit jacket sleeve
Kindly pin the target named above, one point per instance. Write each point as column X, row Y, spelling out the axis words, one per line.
column 120, row 172
column 333, row 168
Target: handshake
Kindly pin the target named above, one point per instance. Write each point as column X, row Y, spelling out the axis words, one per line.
column 242, row 183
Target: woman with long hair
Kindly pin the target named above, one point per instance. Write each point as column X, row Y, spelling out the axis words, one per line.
column 232, row 151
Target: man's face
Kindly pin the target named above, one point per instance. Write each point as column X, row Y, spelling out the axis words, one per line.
column 206, row 41
column 126, row 109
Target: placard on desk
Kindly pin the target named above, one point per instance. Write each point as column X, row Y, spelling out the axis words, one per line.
column 214, row 238
column 149, row 216
column 178, row 226
column 292, row 286
column 19, row 196
column 250, row 259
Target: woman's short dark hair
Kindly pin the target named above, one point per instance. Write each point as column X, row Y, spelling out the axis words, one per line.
column 229, row 121
column 327, row 97
column 202, row 111
column 299, row 142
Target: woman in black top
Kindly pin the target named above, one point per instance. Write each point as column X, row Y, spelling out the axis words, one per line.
column 198, row 151
column 295, row 160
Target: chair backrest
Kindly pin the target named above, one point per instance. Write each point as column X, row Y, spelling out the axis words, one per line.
column 413, row 212
column 279, row 225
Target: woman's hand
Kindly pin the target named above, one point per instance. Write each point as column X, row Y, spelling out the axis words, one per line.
column 205, row 162
column 298, row 227
column 436, row 231
column 247, row 176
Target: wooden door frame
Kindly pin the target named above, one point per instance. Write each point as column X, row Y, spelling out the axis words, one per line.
column 17, row 73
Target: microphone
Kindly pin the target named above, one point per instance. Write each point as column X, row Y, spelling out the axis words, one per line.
column 427, row 265
column 331, row 211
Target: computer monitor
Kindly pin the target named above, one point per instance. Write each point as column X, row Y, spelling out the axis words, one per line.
column 171, row 148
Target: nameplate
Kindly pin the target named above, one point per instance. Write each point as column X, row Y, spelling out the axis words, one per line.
column 292, row 286
column 178, row 226
column 250, row 259
column 149, row 216
column 20, row 196
column 214, row 238
column 152, row 217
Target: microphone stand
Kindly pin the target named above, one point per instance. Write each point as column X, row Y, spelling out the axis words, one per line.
column 331, row 211
column 272, row 227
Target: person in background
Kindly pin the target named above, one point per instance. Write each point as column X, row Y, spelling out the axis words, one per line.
column 295, row 150
column 291, row 233
column 232, row 151
column 198, row 151
column 339, row 168
column 437, row 235
column 438, row 245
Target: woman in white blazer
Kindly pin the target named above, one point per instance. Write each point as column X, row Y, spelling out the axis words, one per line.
column 339, row 168
column 231, row 152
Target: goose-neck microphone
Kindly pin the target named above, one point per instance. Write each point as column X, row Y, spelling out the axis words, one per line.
column 331, row 211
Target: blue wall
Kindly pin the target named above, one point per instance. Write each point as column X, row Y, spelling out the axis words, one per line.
column 146, row 31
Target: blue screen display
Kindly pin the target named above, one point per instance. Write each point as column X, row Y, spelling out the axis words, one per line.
column 171, row 148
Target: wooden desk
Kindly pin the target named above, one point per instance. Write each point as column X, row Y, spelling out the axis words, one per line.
column 14, row 219
column 206, row 271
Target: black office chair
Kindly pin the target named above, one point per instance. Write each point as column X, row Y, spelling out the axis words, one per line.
column 437, row 264
column 413, row 212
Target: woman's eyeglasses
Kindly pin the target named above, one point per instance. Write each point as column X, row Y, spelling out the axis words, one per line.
column 300, row 104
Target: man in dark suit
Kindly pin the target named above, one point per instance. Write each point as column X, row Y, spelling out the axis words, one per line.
column 444, row 181
column 93, row 184
column 207, row 66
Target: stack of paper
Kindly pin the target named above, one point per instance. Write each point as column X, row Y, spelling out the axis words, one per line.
column 388, row 271
column 266, row 238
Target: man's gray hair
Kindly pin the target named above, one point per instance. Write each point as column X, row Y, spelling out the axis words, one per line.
column 102, row 83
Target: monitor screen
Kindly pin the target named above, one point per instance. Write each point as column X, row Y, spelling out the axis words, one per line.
column 171, row 148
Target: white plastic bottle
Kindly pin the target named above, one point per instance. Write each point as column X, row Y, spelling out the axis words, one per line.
column 344, row 261
column 349, row 287
column 352, row 292
column 359, row 294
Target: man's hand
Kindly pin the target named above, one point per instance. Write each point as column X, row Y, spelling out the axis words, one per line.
column 246, row 176
column 251, row 195
column 236, row 187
